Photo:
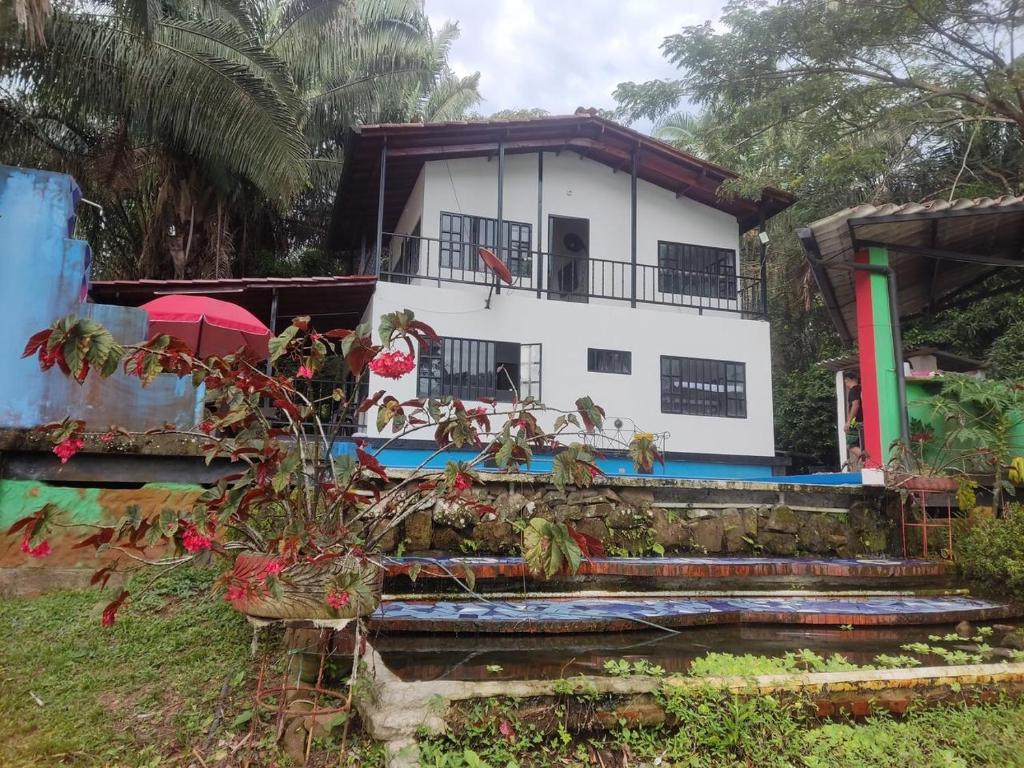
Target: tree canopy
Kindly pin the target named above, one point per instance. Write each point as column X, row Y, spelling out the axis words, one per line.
column 210, row 133
column 847, row 102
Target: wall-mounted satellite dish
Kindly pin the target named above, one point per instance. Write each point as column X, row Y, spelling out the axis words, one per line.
column 499, row 267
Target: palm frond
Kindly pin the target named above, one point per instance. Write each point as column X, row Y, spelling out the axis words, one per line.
column 452, row 97
column 202, row 86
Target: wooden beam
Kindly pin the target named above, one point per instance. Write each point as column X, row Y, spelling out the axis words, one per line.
column 938, row 253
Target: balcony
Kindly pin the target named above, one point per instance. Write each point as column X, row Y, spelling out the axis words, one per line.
column 559, row 277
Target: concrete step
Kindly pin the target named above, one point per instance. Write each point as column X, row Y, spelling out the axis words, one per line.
column 673, row 573
column 606, row 614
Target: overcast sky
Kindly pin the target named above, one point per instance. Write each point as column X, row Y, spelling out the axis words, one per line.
column 562, row 54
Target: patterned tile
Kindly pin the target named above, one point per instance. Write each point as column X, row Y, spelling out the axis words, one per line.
column 610, row 614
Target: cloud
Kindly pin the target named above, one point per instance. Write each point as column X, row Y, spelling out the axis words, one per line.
column 562, row 54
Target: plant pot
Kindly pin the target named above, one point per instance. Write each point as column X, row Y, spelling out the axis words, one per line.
column 935, row 483
column 303, row 587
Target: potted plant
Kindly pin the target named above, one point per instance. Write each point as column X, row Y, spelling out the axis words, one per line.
column 299, row 520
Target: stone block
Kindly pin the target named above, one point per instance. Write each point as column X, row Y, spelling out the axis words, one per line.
column 820, row 534
column 707, row 534
column 734, row 531
column 637, row 496
column 670, row 531
column 453, row 513
column 593, row 526
column 782, row 519
column 446, row 539
column 776, row 543
column 627, row 517
column 418, row 531
column 495, row 538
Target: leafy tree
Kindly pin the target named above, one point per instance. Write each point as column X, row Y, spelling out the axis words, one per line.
column 208, row 132
column 844, row 103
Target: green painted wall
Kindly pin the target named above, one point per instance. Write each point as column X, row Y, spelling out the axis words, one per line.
column 885, row 354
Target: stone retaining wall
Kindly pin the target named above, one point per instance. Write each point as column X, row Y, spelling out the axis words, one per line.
column 643, row 516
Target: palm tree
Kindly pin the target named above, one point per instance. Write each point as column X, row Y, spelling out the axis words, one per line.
column 205, row 128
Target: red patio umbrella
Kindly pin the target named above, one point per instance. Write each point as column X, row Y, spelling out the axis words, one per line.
column 209, row 326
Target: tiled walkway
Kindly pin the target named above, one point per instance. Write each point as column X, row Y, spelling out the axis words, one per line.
column 610, row 614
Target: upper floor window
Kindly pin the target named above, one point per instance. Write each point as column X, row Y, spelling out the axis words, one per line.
column 471, row 369
column 697, row 387
column 462, row 236
column 696, row 270
column 609, row 361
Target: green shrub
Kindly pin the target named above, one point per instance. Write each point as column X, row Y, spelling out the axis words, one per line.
column 992, row 551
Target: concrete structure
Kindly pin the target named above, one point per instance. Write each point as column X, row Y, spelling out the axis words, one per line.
column 44, row 276
column 627, row 283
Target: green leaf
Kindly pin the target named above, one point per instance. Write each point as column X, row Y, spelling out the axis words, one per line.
column 280, row 343
column 241, row 719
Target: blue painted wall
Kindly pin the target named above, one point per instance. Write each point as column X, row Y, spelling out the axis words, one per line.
column 410, row 458
column 44, row 275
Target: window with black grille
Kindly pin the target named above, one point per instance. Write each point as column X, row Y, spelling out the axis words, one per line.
column 462, row 236
column 609, row 361
column 698, row 387
column 471, row 369
column 696, row 270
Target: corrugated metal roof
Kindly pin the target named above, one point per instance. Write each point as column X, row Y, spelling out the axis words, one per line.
column 937, row 248
column 336, row 301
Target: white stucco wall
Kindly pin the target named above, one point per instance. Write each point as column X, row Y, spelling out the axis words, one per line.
column 574, row 186
column 567, row 330
column 577, row 187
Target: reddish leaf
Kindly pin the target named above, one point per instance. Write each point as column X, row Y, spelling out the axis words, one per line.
column 102, row 576
column 369, row 402
column 21, row 524
column 103, row 536
column 370, row 463
column 590, row 546
column 110, row 612
column 36, row 342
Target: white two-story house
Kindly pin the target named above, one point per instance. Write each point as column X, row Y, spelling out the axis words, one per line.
column 627, row 283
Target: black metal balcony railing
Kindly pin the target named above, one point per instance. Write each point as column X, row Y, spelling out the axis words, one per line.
column 416, row 260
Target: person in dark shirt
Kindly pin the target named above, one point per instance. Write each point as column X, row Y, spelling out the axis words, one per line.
column 854, row 446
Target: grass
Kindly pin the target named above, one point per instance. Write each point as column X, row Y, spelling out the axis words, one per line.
column 140, row 693
column 712, row 729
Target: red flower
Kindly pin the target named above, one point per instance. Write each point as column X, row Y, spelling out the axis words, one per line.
column 462, row 482
column 42, row 549
column 337, row 600
column 193, row 541
column 305, row 372
column 594, row 471
column 273, row 568
column 393, row 365
column 109, row 616
column 67, row 448
column 106, row 437
column 235, row 593
column 206, row 427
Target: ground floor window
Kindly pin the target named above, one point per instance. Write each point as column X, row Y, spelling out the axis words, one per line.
column 471, row 369
column 698, row 387
column 609, row 361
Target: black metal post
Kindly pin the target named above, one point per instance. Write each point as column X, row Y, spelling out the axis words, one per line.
column 380, row 209
column 540, row 222
column 501, row 202
column 764, row 266
column 273, row 324
column 632, row 228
